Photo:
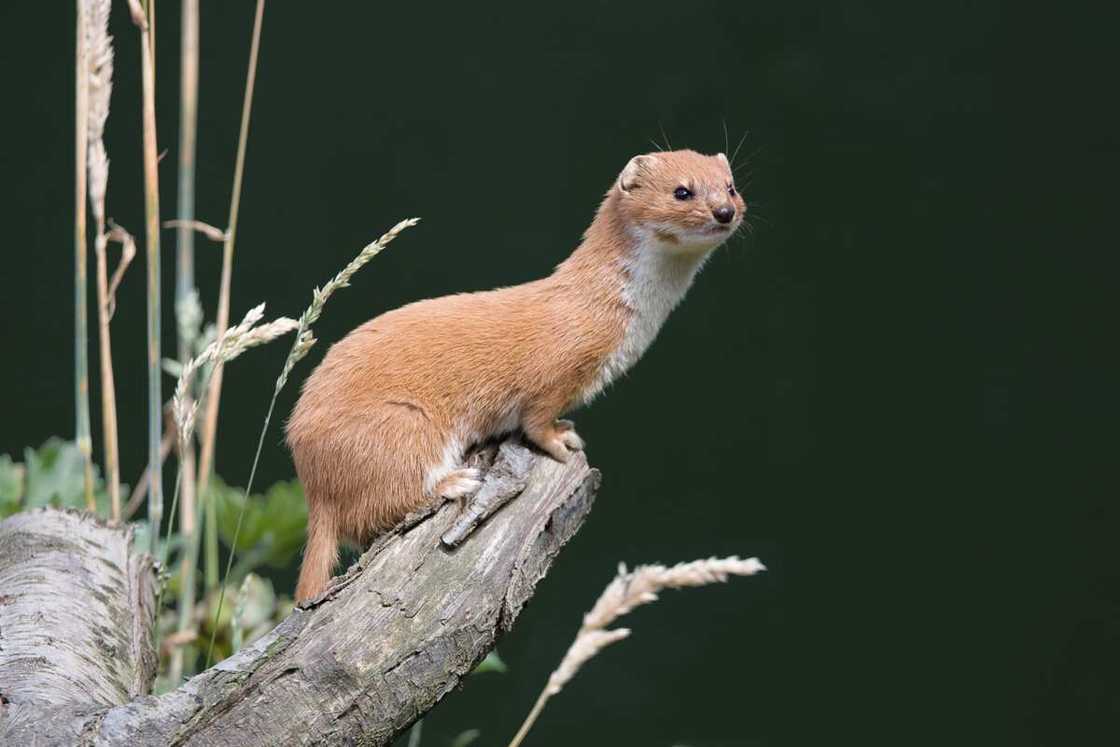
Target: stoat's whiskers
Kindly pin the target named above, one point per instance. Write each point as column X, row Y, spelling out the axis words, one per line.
column 738, row 146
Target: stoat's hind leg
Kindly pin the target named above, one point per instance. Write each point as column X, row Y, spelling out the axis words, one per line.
column 458, row 484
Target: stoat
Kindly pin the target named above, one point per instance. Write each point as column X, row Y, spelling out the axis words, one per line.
column 383, row 423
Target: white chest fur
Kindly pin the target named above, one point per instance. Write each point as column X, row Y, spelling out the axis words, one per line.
column 656, row 279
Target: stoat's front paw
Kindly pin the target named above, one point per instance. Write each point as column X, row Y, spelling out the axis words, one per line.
column 566, row 431
column 555, row 448
column 558, row 441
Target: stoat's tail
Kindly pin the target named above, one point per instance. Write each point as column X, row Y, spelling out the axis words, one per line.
column 321, row 553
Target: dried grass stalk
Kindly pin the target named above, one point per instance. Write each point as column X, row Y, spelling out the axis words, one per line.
column 151, row 210
column 236, row 340
column 106, row 305
column 189, row 227
column 81, row 331
column 140, row 491
column 304, row 338
column 150, row 5
column 100, row 71
column 186, row 298
column 188, row 131
column 209, row 431
column 628, row 590
column 128, row 253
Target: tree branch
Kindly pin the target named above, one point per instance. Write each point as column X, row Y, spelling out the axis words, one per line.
column 386, row 641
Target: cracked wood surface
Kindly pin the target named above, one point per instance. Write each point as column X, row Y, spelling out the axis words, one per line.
column 76, row 611
column 387, row 640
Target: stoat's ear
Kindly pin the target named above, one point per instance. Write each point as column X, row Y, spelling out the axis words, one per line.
column 638, row 167
column 723, row 159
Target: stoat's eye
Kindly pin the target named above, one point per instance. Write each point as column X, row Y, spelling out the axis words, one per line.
column 731, row 189
column 682, row 193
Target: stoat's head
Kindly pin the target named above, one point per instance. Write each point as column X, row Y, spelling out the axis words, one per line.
column 682, row 200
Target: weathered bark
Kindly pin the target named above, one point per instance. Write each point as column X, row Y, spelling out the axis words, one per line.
column 77, row 602
column 384, row 642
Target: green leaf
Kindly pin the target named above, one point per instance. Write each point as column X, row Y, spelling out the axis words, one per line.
column 12, row 478
column 492, row 663
column 465, row 738
column 274, row 525
column 142, row 542
column 55, row 475
column 256, row 602
column 285, row 518
column 211, row 605
column 141, row 536
column 228, row 502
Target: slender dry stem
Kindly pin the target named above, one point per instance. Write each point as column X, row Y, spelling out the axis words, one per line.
column 81, row 332
column 140, row 491
column 108, row 387
column 190, row 227
column 210, row 423
column 184, row 265
column 150, row 5
column 128, row 253
column 184, row 292
column 151, row 209
column 100, row 77
column 627, row 591
column 300, row 347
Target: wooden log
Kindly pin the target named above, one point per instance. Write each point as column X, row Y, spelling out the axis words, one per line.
column 77, row 604
column 385, row 641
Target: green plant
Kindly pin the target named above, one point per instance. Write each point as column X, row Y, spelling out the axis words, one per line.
column 256, row 608
column 273, row 527
column 12, row 478
column 466, row 738
column 52, row 475
column 492, row 663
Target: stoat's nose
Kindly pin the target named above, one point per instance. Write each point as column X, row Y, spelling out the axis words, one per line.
column 724, row 214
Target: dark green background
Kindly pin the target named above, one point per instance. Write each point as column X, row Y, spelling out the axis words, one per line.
column 886, row 394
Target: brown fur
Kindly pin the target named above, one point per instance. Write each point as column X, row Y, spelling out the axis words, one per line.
column 381, row 425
